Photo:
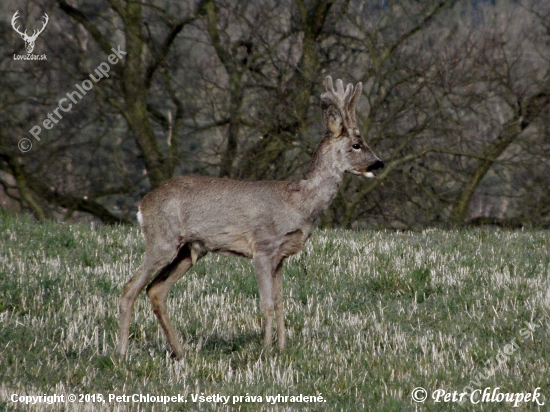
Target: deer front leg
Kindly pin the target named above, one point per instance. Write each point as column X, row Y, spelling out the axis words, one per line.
column 278, row 303
column 264, row 268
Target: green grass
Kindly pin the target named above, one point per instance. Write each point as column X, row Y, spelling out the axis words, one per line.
column 370, row 316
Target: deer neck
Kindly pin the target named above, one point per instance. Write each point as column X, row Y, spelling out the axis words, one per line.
column 323, row 180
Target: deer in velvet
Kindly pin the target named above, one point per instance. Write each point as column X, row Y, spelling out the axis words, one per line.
column 266, row 221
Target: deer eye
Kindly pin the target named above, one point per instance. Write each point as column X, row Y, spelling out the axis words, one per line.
column 356, row 146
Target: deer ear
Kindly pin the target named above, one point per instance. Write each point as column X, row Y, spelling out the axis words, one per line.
column 332, row 119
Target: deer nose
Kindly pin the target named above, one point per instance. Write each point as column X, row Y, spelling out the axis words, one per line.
column 379, row 164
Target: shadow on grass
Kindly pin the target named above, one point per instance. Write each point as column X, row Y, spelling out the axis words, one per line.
column 220, row 344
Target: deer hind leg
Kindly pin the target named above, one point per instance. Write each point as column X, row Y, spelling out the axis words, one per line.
column 150, row 267
column 158, row 290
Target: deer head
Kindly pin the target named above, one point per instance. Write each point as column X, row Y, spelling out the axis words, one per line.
column 338, row 113
column 29, row 40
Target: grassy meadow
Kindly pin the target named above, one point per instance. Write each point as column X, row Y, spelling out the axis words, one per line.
column 371, row 315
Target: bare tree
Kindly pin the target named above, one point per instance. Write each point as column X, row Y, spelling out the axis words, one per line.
column 455, row 101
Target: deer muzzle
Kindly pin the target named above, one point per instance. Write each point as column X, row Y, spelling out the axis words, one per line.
column 379, row 164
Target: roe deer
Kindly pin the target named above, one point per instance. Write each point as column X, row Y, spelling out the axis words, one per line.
column 265, row 221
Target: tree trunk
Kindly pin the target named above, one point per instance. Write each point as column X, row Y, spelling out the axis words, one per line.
column 135, row 96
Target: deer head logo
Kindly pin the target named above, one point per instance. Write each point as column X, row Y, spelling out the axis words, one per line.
column 29, row 40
